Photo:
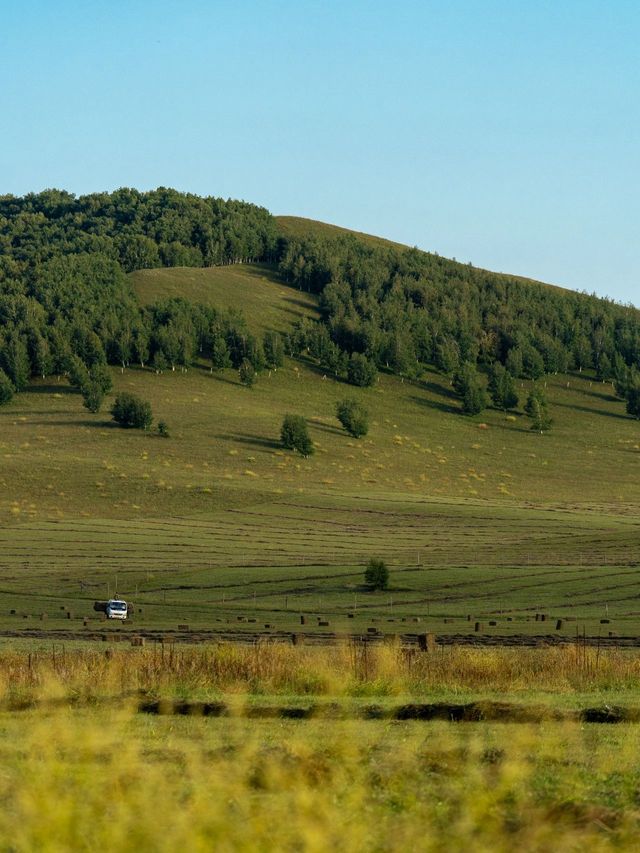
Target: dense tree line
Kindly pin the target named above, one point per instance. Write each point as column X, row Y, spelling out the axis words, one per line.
column 66, row 305
column 403, row 309
column 138, row 229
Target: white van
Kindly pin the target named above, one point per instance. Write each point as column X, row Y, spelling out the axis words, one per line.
column 116, row 609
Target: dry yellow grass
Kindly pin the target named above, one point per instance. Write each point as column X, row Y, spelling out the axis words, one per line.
column 347, row 670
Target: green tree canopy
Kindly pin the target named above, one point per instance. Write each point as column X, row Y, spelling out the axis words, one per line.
column 361, row 371
column 6, row 388
column 502, row 387
column 294, row 435
column 376, row 574
column 353, row 416
column 132, row 412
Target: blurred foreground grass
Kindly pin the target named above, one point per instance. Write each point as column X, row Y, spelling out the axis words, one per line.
column 78, row 772
column 93, row 779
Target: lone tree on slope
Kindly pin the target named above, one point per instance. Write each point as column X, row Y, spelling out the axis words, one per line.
column 353, row 417
column 295, row 435
column 376, row 575
column 132, row 412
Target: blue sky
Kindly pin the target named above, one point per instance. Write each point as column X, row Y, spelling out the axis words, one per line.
column 502, row 133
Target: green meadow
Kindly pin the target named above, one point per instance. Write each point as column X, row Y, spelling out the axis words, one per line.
column 491, row 532
column 479, row 519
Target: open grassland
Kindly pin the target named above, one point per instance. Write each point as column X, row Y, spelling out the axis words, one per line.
column 127, row 782
column 479, row 518
column 218, row 522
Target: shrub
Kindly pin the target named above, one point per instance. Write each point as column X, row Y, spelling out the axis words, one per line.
column 163, row 429
column 376, row 575
column 247, row 373
column 6, row 388
column 353, row 417
column 132, row 412
column 273, row 349
column 92, row 396
column 78, row 372
column 361, row 371
column 295, row 435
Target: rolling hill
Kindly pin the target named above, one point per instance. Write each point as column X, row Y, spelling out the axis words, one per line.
column 476, row 516
column 479, row 518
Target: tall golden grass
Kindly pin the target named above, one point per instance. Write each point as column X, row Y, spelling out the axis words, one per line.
column 343, row 670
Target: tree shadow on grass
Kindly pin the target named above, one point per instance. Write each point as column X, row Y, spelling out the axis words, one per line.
column 252, row 440
column 53, row 422
column 299, row 302
column 440, row 390
column 52, row 389
column 218, row 376
column 601, row 391
column 327, row 428
column 591, row 411
column 440, row 405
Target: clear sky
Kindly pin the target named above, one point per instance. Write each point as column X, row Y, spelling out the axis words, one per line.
column 502, row 132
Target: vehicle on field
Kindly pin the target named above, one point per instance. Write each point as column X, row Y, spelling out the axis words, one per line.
column 117, row 609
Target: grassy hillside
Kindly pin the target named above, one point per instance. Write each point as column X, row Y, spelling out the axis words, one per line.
column 298, row 226
column 478, row 518
column 254, row 289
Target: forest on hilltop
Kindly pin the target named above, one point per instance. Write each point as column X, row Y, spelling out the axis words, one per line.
column 66, row 304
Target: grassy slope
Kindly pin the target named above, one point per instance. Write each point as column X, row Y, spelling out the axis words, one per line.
column 271, row 304
column 478, row 519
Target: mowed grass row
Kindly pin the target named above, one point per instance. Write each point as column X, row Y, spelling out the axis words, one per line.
column 272, row 563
